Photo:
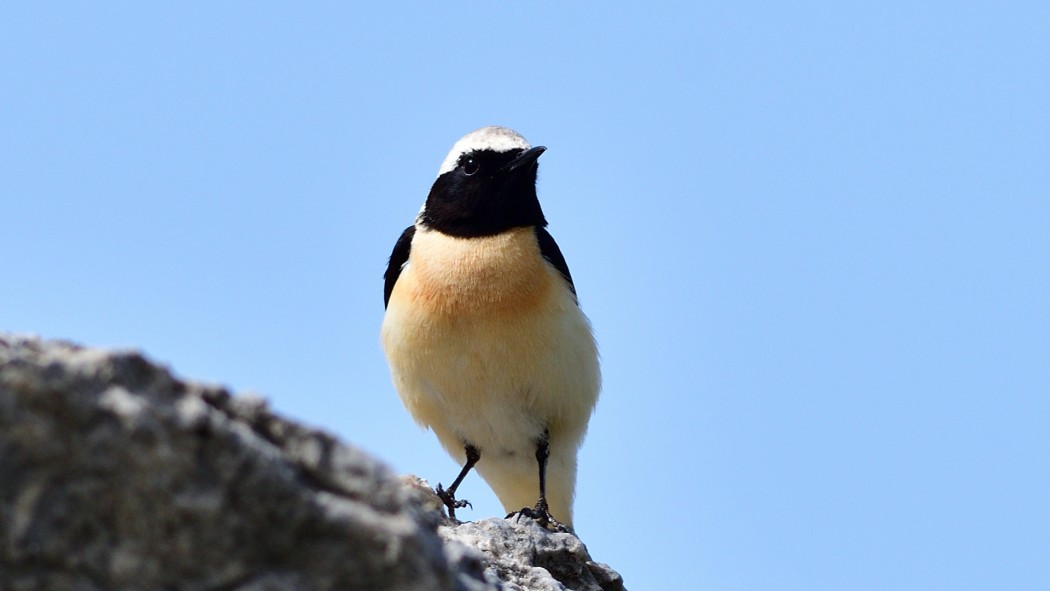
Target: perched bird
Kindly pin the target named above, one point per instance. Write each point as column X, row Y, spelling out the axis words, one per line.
column 486, row 341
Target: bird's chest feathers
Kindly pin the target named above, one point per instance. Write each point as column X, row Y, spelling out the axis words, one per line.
column 458, row 275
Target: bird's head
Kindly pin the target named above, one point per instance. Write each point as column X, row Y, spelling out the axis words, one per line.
column 486, row 185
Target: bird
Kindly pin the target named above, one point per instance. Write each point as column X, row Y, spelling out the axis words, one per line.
column 483, row 332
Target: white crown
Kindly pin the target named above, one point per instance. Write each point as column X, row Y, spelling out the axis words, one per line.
column 494, row 137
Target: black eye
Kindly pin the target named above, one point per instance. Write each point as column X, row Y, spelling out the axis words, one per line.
column 470, row 166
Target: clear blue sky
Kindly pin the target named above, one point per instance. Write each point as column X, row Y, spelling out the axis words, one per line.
column 813, row 239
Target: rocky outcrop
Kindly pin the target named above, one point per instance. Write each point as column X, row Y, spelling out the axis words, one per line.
column 116, row 475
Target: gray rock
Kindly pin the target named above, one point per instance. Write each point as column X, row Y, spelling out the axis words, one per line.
column 116, row 475
column 524, row 555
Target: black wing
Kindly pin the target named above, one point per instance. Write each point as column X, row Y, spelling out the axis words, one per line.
column 398, row 258
column 550, row 251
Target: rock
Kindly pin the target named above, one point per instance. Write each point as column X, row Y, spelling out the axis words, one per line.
column 523, row 552
column 116, row 475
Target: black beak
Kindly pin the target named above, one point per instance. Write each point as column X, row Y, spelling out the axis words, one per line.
column 526, row 159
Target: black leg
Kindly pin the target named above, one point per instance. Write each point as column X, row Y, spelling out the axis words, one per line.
column 449, row 496
column 543, row 451
column 541, row 512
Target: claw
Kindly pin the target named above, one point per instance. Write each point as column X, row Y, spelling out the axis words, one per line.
column 449, row 499
column 542, row 515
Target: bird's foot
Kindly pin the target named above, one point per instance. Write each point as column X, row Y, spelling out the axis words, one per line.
column 448, row 497
column 541, row 513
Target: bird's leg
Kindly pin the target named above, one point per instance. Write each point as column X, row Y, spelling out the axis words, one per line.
column 448, row 497
column 543, row 452
column 541, row 512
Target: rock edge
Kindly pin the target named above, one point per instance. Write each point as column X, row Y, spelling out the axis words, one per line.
column 114, row 474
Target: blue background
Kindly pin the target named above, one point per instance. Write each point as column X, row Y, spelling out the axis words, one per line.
column 812, row 238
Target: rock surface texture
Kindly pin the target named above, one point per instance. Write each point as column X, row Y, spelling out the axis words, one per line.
column 116, row 475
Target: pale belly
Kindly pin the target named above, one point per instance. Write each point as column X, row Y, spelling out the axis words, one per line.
column 497, row 384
